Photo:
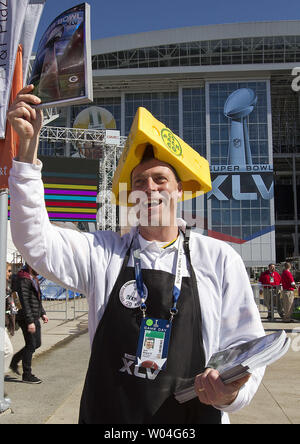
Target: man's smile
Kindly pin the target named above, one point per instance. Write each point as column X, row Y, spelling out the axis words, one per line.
column 152, row 203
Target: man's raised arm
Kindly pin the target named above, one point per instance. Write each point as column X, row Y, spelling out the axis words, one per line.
column 56, row 253
column 27, row 122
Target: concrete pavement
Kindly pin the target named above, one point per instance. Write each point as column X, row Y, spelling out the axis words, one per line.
column 56, row 332
column 276, row 402
column 53, row 333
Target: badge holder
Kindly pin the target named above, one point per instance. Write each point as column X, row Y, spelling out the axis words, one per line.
column 153, row 343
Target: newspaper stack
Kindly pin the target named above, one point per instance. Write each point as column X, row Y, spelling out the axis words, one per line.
column 235, row 362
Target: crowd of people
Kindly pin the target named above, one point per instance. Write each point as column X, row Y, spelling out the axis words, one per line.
column 278, row 291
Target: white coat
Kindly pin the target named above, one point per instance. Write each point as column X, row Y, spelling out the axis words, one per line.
column 89, row 263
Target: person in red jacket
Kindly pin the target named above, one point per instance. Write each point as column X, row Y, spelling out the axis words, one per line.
column 271, row 281
column 288, row 286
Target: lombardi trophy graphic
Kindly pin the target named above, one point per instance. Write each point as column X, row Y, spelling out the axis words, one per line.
column 237, row 107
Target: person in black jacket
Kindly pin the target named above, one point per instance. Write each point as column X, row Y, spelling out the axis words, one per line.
column 28, row 317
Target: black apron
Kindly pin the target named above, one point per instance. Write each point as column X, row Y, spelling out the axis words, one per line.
column 115, row 391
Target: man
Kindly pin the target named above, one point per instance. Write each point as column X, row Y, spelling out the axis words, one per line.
column 129, row 282
column 288, row 295
column 28, row 289
column 270, row 281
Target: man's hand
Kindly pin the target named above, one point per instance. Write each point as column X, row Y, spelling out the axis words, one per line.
column 45, row 319
column 211, row 390
column 31, row 328
column 27, row 121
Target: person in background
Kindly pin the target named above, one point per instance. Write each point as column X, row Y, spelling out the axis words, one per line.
column 28, row 288
column 9, row 324
column 271, row 280
column 288, row 287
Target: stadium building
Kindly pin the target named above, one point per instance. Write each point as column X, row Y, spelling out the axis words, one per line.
column 231, row 91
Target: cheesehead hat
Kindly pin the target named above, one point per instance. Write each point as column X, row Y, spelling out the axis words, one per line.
column 192, row 169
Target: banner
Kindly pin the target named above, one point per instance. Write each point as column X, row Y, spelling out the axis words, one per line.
column 12, row 15
column 9, row 146
column 241, row 202
column 32, row 18
column 18, row 23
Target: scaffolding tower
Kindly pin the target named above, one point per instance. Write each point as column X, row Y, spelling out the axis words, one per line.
column 107, row 215
column 110, row 154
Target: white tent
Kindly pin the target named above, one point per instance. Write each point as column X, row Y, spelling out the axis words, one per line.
column 12, row 252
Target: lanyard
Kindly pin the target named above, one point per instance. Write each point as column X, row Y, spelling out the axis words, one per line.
column 139, row 277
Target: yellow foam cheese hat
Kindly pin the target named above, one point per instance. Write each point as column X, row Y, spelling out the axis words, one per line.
column 192, row 169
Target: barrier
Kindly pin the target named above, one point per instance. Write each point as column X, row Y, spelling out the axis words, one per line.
column 62, row 303
column 270, row 301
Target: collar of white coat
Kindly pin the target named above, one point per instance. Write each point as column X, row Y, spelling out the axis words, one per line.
column 144, row 244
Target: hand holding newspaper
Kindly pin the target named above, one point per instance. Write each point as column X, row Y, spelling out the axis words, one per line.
column 235, row 362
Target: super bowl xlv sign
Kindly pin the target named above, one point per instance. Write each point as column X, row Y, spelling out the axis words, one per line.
column 242, row 183
column 240, row 179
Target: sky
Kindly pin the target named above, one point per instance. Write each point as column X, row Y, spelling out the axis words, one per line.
column 118, row 17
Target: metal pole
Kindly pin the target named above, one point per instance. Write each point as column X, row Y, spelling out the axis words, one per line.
column 4, row 403
column 272, row 303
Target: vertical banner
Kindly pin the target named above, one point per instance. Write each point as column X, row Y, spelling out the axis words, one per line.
column 9, row 146
column 20, row 25
column 12, row 14
column 241, row 201
column 32, row 18
column 19, row 20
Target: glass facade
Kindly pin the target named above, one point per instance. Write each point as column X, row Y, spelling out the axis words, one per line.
column 251, row 50
column 285, row 115
column 164, row 107
column 194, row 118
column 194, row 133
column 240, row 219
